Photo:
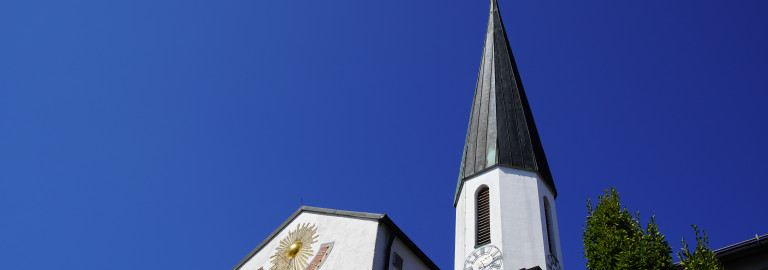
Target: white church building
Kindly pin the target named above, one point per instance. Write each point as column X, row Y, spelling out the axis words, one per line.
column 505, row 197
column 318, row 238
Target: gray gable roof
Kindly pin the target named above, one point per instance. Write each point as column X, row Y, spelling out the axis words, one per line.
column 501, row 130
column 382, row 218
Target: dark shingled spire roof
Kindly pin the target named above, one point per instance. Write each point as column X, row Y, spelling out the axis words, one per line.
column 501, row 130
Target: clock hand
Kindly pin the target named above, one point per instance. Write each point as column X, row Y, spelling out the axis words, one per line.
column 494, row 260
column 483, row 266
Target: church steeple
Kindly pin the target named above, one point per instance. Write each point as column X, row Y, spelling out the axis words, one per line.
column 501, row 130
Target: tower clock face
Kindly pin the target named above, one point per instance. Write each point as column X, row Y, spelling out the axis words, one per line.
column 484, row 258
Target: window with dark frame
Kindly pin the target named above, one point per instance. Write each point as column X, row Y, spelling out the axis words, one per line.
column 483, row 217
column 548, row 220
column 397, row 261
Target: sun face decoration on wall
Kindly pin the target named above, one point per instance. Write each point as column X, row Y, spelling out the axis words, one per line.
column 294, row 250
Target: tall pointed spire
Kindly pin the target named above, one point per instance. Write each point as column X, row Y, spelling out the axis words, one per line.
column 501, row 130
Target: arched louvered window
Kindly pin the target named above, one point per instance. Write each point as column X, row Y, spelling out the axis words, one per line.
column 548, row 220
column 483, row 232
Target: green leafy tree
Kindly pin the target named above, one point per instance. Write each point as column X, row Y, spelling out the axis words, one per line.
column 702, row 257
column 614, row 239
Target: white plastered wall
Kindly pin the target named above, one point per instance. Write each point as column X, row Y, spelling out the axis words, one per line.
column 354, row 241
column 379, row 257
column 459, row 253
column 465, row 215
column 410, row 260
column 517, row 217
column 544, row 191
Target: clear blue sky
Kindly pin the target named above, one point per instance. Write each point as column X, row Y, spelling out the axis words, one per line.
column 178, row 134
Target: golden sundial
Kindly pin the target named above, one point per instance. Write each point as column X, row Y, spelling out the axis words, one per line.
column 295, row 249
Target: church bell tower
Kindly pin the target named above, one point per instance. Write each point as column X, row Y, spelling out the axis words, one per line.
column 505, row 197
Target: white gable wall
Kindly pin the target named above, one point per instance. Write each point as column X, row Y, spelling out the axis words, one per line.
column 354, row 241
